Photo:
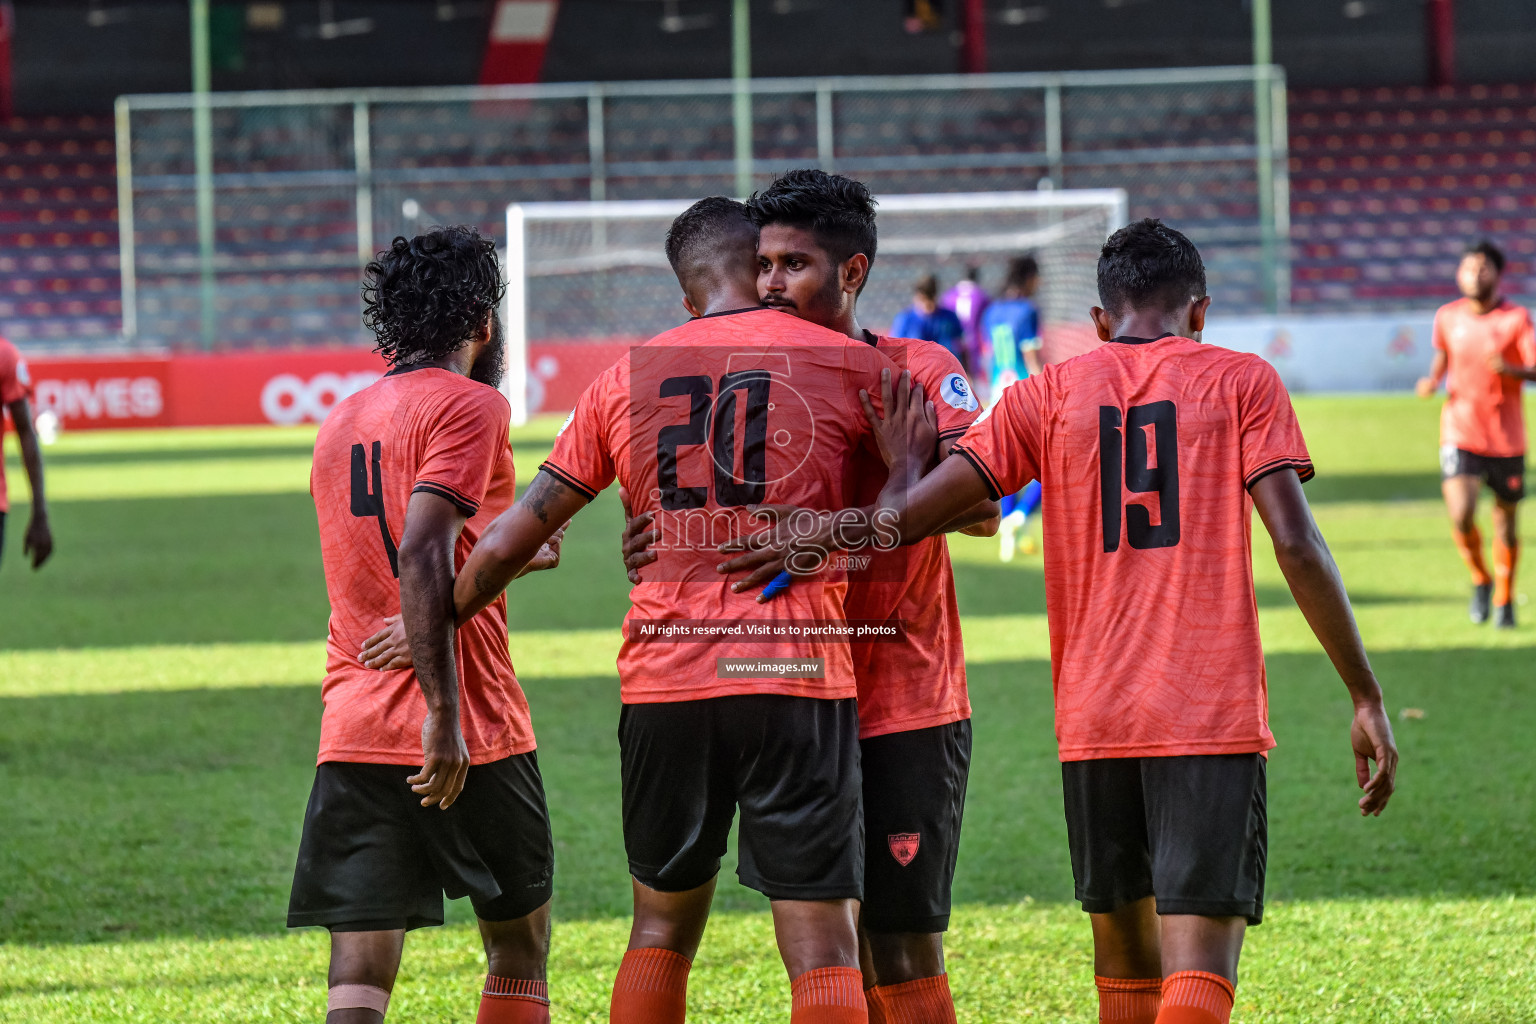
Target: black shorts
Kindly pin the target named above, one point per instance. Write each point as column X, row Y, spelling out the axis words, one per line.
column 373, row 859
column 1505, row 476
column 790, row 763
column 914, row 798
column 1192, row 831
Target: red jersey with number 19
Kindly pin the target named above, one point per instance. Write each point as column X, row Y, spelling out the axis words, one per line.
column 430, row 430
column 723, row 413
column 1145, row 451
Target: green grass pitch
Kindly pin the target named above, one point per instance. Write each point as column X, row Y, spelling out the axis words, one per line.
column 159, row 707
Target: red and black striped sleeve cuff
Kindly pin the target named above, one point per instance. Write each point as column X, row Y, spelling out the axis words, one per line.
column 516, row 988
column 1303, row 468
column 994, row 489
column 469, row 508
column 567, row 478
column 945, row 435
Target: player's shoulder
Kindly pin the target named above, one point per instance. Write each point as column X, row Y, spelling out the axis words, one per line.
column 923, row 358
column 453, row 391
column 432, row 394
column 936, row 368
column 1515, row 311
column 10, row 355
column 1456, row 307
column 737, row 325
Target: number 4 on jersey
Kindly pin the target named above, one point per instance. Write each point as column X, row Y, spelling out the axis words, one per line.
column 1147, row 469
column 368, row 504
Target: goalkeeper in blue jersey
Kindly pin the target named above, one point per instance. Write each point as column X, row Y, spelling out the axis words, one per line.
column 1011, row 326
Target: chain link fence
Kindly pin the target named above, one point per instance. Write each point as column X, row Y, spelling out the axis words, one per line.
column 306, row 185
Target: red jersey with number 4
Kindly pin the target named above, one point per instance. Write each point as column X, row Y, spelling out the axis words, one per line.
column 14, row 385
column 1482, row 411
column 428, row 430
column 723, row 413
column 1145, row 451
column 920, row 683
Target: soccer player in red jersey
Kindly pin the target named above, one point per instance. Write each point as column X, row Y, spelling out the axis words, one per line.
column 427, row 779
column 818, row 240
column 1153, row 451
column 816, row 245
column 1485, row 350
column 739, row 407
column 15, row 384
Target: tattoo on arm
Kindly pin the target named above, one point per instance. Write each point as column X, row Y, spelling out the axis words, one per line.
column 483, row 583
column 541, row 492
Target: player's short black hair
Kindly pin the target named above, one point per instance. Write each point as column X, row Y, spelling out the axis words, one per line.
column 1021, row 270
column 926, row 286
column 707, row 236
column 1148, row 263
column 1488, row 251
column 839, row 211
column 427, row 296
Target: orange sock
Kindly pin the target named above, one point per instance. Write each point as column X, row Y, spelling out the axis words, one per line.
column 1129, row 1000
column 1196, row 997
column 513, row 1001
column 828, row 995
column 652, row 988
column 1504, row 559
column 921, row 1001
column 1470, row 544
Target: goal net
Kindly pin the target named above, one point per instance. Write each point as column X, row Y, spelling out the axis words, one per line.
column 586, row 280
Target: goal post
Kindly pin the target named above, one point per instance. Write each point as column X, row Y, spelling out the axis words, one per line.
column 595, row 272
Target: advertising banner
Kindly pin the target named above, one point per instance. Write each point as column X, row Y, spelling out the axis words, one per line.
column 199, row 390
column 1374, row 352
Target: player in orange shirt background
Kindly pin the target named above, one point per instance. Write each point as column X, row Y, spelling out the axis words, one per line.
column 1485, row 350
column 1153, row 451
column 427, row 780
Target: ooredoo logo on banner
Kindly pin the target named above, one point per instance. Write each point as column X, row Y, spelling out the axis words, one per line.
column 288, row 399
column 282, row 388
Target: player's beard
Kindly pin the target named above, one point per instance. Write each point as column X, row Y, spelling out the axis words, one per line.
column 821, row 308
column 491, row 365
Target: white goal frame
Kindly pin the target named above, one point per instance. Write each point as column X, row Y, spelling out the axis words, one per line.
column 514, row 315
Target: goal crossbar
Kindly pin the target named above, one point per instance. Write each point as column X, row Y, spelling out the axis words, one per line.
column 1110, row 204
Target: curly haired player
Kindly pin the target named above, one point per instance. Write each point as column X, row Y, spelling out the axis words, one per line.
column 427, row 780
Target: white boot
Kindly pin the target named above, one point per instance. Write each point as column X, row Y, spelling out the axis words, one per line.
column 1008, row 534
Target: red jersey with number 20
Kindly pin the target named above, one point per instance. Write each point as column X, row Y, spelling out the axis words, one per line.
column 428, row 430
column 701, row 423
column 1145, row 451
column 919, row 683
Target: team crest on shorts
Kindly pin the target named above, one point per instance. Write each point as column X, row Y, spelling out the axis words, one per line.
column 904, row 846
